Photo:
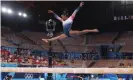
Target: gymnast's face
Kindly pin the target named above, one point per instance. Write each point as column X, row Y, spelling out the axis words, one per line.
column 64, row 17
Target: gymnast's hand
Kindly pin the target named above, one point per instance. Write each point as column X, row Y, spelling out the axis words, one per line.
column 81, row 4
column 50, row 11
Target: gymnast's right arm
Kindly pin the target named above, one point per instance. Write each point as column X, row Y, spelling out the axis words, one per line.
column 55, row 15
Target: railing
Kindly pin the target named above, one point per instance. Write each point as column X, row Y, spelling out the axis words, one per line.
column 77, row 64
column 58, row 77
column 118, row 58
column 94, row 57
column 65, row 76
column 9, row 64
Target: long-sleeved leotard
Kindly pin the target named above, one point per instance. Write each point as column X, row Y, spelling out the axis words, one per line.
column 67, row 24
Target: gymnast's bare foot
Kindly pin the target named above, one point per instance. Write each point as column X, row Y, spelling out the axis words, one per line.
column 46, row 40
column 93, row 30
column 96, row 30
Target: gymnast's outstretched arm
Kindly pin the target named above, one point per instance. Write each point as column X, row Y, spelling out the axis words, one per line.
column 55, row 15
column 76, row 10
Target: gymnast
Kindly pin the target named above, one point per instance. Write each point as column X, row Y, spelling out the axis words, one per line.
column 67, row 24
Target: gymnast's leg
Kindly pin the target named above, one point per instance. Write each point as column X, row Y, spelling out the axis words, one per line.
column 72, row 32
column 75, row 32
column 62, row 36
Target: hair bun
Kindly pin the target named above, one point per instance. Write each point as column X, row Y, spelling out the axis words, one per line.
column 65, row 12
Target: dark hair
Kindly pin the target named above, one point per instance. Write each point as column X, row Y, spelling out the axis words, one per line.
column 65, row 12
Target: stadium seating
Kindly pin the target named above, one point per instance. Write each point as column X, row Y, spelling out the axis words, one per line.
column 10, row 39
column 6, row 43
column 126, row 63
column 106, row 63
column 37, row 38
column 71, row 44
column 77, row 44
column 103, row 38
column 127, row 40
column 75, row 63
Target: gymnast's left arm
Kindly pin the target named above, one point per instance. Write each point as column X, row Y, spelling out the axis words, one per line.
column 75, row 12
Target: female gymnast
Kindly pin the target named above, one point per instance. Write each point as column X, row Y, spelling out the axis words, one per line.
column 67, row 24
